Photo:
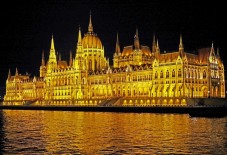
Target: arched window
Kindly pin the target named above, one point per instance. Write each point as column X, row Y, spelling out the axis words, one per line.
column 84, row 81
column 161, row 74
column 173, row 73
column 96, row 65
column 90, row 65
column 167, row 74
column 179, row 73
column 204, row 74
column 156, row 75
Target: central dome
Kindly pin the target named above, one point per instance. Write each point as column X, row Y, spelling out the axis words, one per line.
column 91, row 40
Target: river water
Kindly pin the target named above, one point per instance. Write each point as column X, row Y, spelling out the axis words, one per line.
column 64, row 132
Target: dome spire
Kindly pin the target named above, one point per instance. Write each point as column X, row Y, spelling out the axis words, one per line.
column 212, row 49
column 90, row 27
column 136, row 40
column 212, row 53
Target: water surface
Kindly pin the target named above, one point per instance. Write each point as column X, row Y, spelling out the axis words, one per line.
column 63, row 132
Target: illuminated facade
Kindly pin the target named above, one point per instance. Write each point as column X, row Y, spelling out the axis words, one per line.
column 139, row 75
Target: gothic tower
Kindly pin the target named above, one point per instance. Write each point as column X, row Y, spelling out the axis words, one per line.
column 117, row 53
column 52, row 62
column 43, row 66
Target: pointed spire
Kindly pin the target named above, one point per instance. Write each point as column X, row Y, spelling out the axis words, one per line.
column 212, row 56
column 79, row 37
column 181, row 46
column 117, row 50
column 154, row 44
column 70, row 59
column 59, row 57
column 136, row 40
column 90, row 27
column 157, row 46
column 137, row 34
column 16, row 73
column 9, row 74
column 153, row 38
column 43, row 59
column 79, row 44
column 52, row 43
column 212, row 49
column 52, row 55
column 181, row 42
column 34, row 79
column 157, row 51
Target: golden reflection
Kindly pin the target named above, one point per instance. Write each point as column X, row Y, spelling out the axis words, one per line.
column 140, row 76
column 57, row 132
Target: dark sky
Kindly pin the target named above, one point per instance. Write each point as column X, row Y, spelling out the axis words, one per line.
column 26, row 27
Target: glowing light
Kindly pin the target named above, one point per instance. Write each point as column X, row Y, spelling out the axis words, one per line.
column 138, row 77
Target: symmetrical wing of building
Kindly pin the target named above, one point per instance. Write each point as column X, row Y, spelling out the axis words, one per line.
column 139, row 75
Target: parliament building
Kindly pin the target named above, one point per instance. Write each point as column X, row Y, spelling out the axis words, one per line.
column 140, row 75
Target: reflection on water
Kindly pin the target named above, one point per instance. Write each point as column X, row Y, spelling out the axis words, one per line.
column 57, row 132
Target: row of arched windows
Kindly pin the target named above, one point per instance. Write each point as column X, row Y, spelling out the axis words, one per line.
column 188, row 74
column 167, row 74
column 195, row 74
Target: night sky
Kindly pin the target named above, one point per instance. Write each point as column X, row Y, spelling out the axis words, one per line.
column 26, row 27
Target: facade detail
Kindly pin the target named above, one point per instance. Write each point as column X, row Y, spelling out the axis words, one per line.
column 139, row 75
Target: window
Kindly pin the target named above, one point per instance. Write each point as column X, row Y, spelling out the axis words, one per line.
column 167, row 74
column 204, row 74
column 161, row 74
column 156, row 75
column 179, row 73
column 96, row 65
column 173, row 73
column 90, row 65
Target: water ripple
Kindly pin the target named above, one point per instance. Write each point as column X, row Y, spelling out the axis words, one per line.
column 53, row 132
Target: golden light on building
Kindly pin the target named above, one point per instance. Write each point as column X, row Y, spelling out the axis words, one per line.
column 139, row 76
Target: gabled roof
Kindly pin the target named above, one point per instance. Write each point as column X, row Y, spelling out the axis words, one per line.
column 169, row 57
column 62, row 64
column 203, row 54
